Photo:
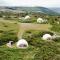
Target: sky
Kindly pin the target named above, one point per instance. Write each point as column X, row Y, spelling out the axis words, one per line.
column 43, row 3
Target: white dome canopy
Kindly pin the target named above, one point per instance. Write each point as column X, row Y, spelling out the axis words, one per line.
column 22, row 43
column 40, row 20
column 27, row 17
column 47, row 37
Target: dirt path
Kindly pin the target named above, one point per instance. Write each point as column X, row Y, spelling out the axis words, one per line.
column 31, row 26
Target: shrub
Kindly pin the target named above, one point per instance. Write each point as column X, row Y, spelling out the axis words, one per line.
column 56, row 28
column 5, row 26
column 8, row 36
column 46, row 32
column 1, row 31
column 48, row 51
column 34, row 37
column 57, row 39
column 35, row 34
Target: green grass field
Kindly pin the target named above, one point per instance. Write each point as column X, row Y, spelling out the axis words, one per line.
column 42, row 50
column 32, row 26
column 38, row 49
column 8, row 31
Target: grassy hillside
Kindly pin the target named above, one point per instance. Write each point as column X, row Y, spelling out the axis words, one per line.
column 8, row 31
column 38, row 49
column 34, row 9
column 43, row 10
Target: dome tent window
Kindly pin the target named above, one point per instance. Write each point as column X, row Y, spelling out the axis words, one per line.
column 22, row 43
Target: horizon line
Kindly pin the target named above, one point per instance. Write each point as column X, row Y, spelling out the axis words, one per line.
column 28, row 6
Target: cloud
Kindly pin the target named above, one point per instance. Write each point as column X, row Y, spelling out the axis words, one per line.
column 45, row 3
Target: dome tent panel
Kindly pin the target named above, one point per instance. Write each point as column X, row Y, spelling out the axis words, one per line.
column 22, row 43
column 47, row 37
column 27, row 17
column 40, row 20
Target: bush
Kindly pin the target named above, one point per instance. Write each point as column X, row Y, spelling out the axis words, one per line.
column 35, row 34
column 5, row 26
column 28, row 21
column 1, row 31
column 56, row 28
column 57, row 39
column 8, row 36
column 46, row 32
column 34, row 37
column 48, row 51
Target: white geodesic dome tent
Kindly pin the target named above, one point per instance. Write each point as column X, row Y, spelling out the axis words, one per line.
column 27, row 17
column 47, row 37
column 40, row 20
column 22, row 43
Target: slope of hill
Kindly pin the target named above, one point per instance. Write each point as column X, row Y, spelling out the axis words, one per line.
column 56, row 9
column 31, row 9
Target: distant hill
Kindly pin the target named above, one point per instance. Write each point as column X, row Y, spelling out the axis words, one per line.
column 31, row 9
column 56, row 9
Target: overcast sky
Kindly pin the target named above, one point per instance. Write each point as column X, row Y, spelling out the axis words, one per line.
column 44, row 3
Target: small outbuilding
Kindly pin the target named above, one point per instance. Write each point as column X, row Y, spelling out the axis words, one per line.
column 47, row 37
column 22, row 43
column 27, row 17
